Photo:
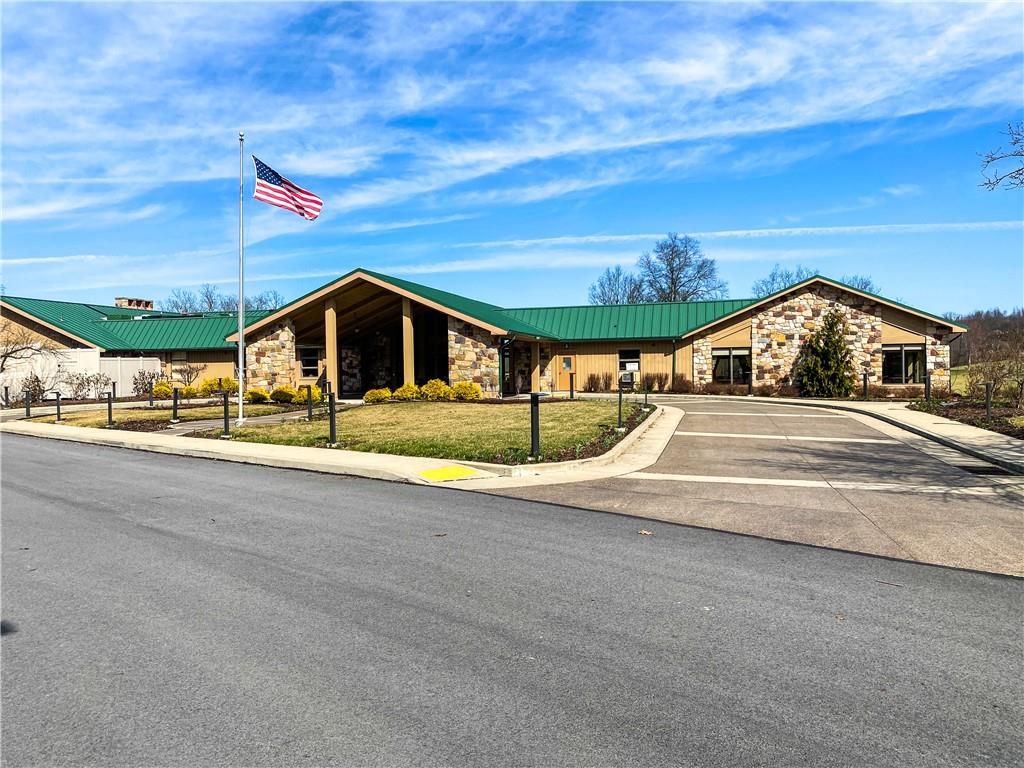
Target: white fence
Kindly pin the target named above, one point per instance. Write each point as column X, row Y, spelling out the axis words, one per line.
column 53, row 367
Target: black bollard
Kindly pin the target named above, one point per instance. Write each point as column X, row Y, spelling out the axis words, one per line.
column 750, row 383
column 333, row 437
column 28, row 403
column 865, row 385
column 928, row 387
column 110, row 408
column 988, row 399
column 113, row 389
column 309, row 402
column 227, row 418
column 620, row 405
column 572, row 386
column 151, row 394
column 174, row 406
column 58, row 406
column 535, row 425
column 7, row 397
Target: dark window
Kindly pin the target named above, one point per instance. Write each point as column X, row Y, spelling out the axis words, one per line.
column 309, row 359
column 629, row 359
column 731, row 366
column 903, row 364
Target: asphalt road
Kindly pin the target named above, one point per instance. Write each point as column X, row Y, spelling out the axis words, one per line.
column 185, row 612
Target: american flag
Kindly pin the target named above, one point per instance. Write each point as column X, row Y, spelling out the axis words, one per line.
column 273, row 188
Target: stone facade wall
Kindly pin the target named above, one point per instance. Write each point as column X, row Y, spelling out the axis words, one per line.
column 270, row 359
column 473, row 356
column 780, row 328
column 350, row 366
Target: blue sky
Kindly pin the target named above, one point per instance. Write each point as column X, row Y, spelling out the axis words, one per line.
column 510, row 152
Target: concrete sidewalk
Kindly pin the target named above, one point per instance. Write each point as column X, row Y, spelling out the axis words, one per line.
column 637, row 450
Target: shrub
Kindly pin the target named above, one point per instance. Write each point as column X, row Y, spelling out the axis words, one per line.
column 681, row 384
column 765, row 390
column 162, row 390
column 435, row 389
column 142, row 380
column 99, row 382
column 647, row 382
column 466, row 390
column 224, row 384
column 407, row 392
column 593, row 383
column 75, row 386
column 788, row 390
column 876, row 391
column 256, row 395
column 285, row 394
column 825, row 367
column 315, row 395
column 661, row 379
column 724, row 389
column 35, row 387
column 188, row 393
column 606, row 382
column 381, row 395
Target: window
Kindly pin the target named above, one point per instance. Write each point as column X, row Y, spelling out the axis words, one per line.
column 903, row 364
column 179, row 359
column 731, row 366
column 629, row 359
column 309, row 359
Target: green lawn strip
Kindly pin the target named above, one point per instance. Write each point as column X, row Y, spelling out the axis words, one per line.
column 461, row 431
column 145, row 419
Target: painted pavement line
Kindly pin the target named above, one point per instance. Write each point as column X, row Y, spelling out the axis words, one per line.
column 834, row 485
column 770, row 415
column 802, row 438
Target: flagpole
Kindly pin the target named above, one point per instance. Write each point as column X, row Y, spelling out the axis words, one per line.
column 241, row 279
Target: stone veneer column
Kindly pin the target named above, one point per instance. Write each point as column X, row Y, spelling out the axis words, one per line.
column 472, row 356
column 703, row 370
column 270, row 358
column 937, row 356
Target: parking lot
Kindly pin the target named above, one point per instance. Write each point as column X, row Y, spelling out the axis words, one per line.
column 818, row 477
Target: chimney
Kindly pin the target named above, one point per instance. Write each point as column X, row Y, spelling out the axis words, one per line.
column 128, row 303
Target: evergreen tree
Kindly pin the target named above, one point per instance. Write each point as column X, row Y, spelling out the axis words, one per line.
column 825, row 368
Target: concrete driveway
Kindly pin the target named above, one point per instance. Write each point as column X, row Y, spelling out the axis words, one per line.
column 818, row 477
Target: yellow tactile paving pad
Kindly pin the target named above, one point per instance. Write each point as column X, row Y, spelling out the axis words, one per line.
column 452, row 472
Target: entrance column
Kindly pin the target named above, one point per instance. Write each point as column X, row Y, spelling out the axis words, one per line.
column 408, row 361
column 535, row 366
column 331, row 344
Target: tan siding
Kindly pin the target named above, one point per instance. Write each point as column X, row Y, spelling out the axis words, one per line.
column 599, row 357
column 735, row 333
column 13, row 323
column 902, row 327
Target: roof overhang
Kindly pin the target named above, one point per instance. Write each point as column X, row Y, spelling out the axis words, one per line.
column 834, row 284
column 324, row 292
column 56, row 329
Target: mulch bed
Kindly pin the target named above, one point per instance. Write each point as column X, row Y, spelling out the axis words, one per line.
column 972, row 412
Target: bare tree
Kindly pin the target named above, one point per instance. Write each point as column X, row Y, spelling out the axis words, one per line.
column 1014, row 178
column 860, row 282
column 18, row 343
column 182, row 301
column 189, row 372
column 678, row 270
column 209, row 297
column 267, row 300
column 779, row 279
column 617, row 286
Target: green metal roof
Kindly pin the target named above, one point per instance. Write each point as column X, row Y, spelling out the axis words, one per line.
column 124, row 329
column 626, row 321
column 206, row 331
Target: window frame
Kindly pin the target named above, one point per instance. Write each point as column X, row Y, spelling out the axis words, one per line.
column 903, row 349
column 624, row 360
column 730, row 354
column 317, row 350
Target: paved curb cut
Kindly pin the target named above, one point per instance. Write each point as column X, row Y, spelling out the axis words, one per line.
column 1016, row 467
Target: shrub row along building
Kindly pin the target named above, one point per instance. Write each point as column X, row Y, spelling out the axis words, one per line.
column 367, row 330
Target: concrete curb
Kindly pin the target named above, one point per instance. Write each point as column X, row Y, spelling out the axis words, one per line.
column 377, row 466
column 609, row 456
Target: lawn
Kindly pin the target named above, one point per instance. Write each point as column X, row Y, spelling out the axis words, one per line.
column 1006, row 419
column 146, row 420
column 467, row 431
